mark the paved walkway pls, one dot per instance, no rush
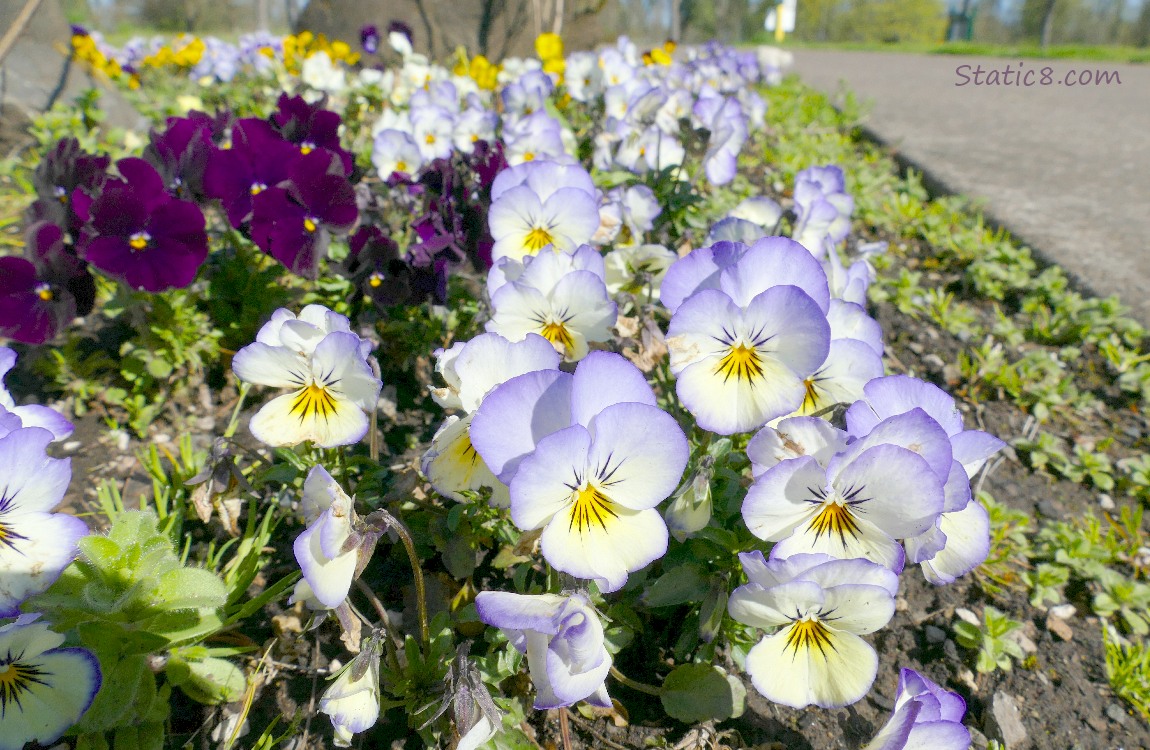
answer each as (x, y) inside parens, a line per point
(1064, 168)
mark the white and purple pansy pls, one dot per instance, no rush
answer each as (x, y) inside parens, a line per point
(541, 203)
(30, 415)
(471, 370)
(749, 328)
(860, 501)
(556, 298)
(44, 689)
(588, 457)
(817, 608)
(324, 365)
(926, 717)
(35, 543)
(563, 640)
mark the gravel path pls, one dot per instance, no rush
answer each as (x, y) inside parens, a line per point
(1066, 168)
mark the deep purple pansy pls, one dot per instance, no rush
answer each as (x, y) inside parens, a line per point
(63, 170)
(258, 159)
(138, 233)
(41, 294)
(293, 223)
(310, 127)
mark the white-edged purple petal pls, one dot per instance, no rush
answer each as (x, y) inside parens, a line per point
(516, 415)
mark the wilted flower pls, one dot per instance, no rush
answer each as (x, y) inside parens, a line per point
(563, 640)
(352, 699)
(476, 717)
(44, 689)
(335, 547)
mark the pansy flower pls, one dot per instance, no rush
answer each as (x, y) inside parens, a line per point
(858, 502)
(30, 415)
(63, 170)
(471, 370)
(588, 457)
(41, 294)
(293, 224)
(180, 154)
(926, 717)
(35, 544)
(310, 127)
(137, 233)
(560, 296)
(258, 159)
(369, 38)
(563, 640)
(743, 344)
(538, 204)
(44, 689)
(324, 366)
(817, 609)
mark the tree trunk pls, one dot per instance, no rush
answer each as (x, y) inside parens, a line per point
(1048, 23)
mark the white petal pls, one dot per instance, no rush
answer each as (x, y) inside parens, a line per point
(838, 674)
(623, 542)
(44, 711)
(292, 418)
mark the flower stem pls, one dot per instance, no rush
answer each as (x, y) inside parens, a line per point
(417, 574)
(234, 421)
(642, 687)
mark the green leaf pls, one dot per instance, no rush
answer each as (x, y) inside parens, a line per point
(207, 680)
(190, 588)
(700, 692)
(680, 585)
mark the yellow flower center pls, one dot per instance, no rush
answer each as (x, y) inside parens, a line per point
(835, 519)
(401, 166)
(429, 139)
(306, 148)
(529, 156)
(809, 634)
(15, 680)
(590, 507)
(741, 363)
(139, 240)
(810, 397)
(474, 137)
(311, 401)
(257, 188)
(537, 239)
(44, 292)
(309, 225)
(557, 333)
(375, 280)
